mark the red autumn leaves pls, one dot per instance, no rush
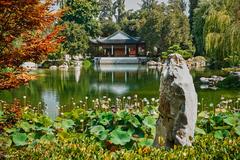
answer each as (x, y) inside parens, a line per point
(27, 31)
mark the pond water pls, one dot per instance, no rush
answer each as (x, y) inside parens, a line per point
(58, 88)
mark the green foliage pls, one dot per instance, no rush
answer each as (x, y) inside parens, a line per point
(148, 4)
(108, 28)
(177, 49)
(92, 133)
(84, 13)
(233, 60)
(19, 138)
(120, 137)
(76, 146)
(216, 31)
(106, 10)
(164, 26)
(86, 64)
(119, 10)
(230, 82)
(77, 40)
(220, 125)
(7, 70)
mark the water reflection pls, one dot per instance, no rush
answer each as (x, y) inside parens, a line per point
(77, 74)
(51, 102)
(62, 88)
(119, 68)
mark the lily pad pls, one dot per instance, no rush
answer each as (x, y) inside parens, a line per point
(199, 131)
(145, 142)
(25, 126)
(218, 134)
(105, 118)
(48, 137)
(120, 137)
(99, 131)
(237, 130)
(134, 121)
(149, 122)
(67, 123)
(230, 121)
(19, 139)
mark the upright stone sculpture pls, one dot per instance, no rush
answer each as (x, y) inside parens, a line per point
(178, 104)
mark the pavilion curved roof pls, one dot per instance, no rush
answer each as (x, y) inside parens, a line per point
(118, 37)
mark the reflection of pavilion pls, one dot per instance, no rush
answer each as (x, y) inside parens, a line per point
(117, 89)
(119, 71)
(117, 79)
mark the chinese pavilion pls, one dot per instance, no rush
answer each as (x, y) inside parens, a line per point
(119, 44)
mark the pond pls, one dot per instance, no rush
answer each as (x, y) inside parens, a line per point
(61, 88)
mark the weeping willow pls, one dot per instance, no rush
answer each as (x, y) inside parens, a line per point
(221, 30)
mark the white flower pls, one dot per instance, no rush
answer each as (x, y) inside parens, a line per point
(24, 97)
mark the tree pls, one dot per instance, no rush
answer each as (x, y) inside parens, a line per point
(177, 25)
(153, 29)
(106, 11)
(108, 28)
(216, 28)
(76, 39)
(192, 6)
(119, 10)
(27, 31)
(179, 4)
(222, 33)
(165, 26)
(197, 26)
(148, 4)
(131, 24)
(85, 13)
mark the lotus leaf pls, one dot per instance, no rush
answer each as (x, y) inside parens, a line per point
(120, 137)
(19, 138)
(149, 121)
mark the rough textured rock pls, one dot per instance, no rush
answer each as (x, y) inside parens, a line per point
(178, 104)
(196, 62)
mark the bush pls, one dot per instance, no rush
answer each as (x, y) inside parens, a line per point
(230, 81)
(86, 64)
(104, 133)
(177, 49)
(76, 146)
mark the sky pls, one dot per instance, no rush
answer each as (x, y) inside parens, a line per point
(135, 4)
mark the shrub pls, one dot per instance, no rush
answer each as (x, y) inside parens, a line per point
(177, 49)
(79, 147)
(231, 81)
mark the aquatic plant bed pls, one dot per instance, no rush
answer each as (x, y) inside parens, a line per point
(107, 133)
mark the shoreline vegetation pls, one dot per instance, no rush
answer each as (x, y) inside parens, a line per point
(127, 129)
